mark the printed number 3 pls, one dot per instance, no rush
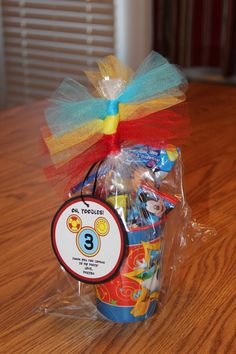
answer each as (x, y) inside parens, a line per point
(89, 242)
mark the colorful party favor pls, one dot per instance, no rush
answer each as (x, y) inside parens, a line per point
(116, 160)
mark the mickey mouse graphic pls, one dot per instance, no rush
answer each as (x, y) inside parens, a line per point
(152, 205)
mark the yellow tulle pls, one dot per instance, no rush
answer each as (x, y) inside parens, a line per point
(139, 110)
(57, 144)
(110, 67)
(59, 159)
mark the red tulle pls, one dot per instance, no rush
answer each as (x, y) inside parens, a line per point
(170, 126)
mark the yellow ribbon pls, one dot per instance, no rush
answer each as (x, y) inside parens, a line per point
(110, 124)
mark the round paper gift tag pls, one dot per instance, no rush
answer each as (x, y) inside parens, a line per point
(88, 238)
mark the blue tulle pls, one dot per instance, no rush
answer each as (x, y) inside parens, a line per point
(155, 76)
(65, 116)
(72, 105)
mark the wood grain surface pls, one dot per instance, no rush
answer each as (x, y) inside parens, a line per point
(199, 316)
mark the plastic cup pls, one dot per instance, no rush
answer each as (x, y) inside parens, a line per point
(132, 294)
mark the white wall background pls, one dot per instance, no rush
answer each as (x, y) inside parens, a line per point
(133, 28)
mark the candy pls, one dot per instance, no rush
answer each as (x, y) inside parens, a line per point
(159, 161)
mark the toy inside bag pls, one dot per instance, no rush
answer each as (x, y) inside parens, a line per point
(123, 148)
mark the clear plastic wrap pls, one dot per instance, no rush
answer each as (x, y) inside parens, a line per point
(142, 181)
(145, 186)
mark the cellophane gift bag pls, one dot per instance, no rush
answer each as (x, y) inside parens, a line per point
(123, 147)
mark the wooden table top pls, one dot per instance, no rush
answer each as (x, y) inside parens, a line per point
(199, 316)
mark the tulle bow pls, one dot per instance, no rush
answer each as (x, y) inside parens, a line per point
(133, 108)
